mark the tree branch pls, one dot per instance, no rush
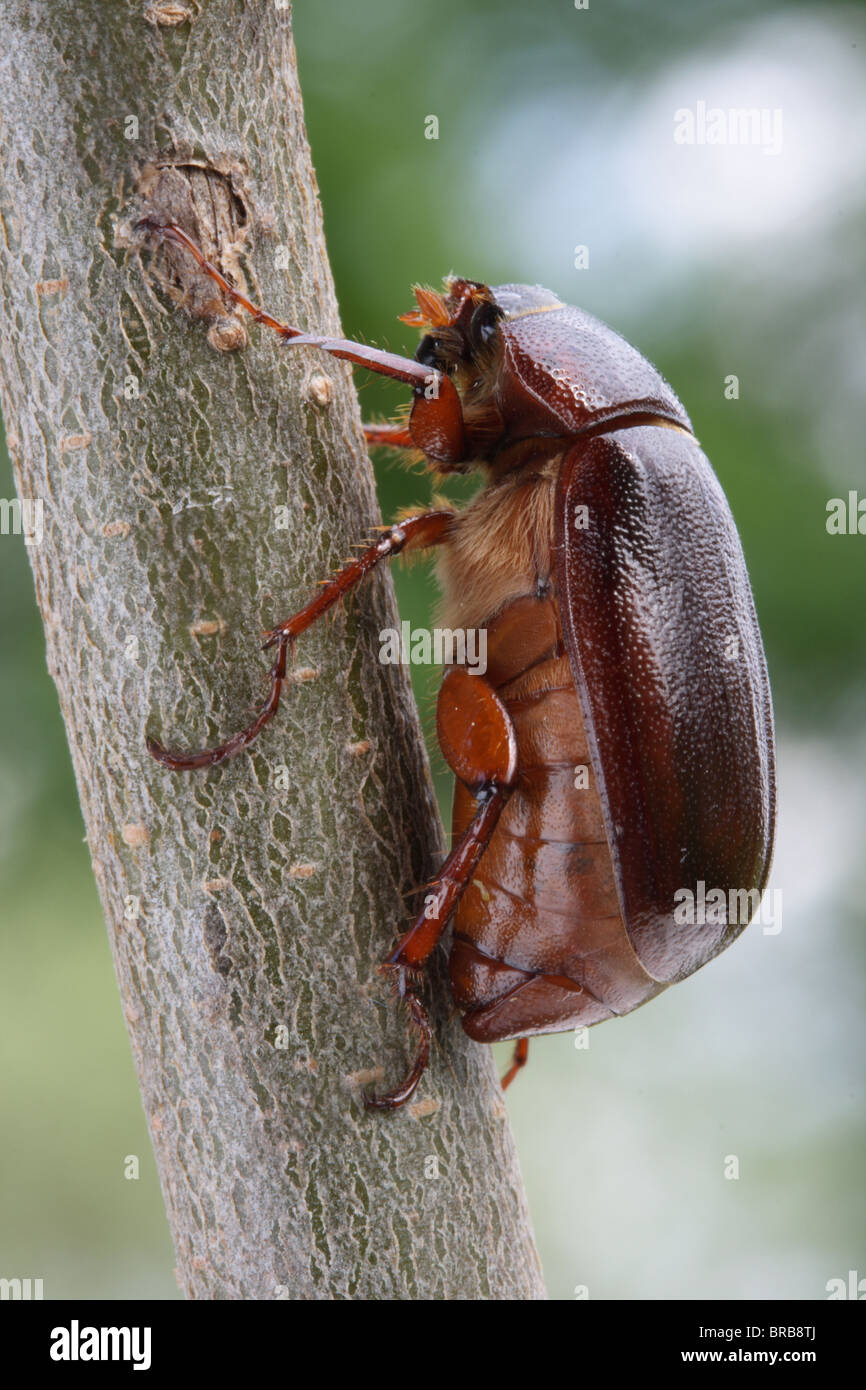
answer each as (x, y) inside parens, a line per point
(246, 905)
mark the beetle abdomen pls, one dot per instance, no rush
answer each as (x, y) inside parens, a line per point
(539, 942)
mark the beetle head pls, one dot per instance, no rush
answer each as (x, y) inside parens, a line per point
(462, 342)
(461, 324)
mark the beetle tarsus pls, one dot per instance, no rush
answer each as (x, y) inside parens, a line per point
(392, 1100)
(210, 757)
(170, 231)
(518, 1061)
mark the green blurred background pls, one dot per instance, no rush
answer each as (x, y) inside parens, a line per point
(556, 130)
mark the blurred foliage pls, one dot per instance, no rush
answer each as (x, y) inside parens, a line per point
(400, 209)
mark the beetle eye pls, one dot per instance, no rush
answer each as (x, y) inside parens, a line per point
(482, 329)
(428, 353)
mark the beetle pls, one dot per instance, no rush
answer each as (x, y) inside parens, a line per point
(617, 755)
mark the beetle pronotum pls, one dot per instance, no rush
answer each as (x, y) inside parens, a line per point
(603, 562)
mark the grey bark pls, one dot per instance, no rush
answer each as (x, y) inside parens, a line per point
(246, 908)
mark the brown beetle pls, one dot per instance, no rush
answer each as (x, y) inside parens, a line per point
(618, 752)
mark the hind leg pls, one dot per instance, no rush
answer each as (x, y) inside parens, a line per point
(477, 737)
(518, 1061)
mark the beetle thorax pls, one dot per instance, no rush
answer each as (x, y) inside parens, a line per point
(500, 546)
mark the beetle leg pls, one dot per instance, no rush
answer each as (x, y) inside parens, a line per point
(390, 364)
(389, 436)
(427, 529)
(419, 941)
(520, 1058)
(445, 891)
(207, 757)
(477, 736)
(437, 415)
(419, 1019)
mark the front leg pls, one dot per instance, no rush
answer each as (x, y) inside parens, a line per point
(436, 427)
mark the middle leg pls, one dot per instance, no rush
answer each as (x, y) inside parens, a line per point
(419, 532)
